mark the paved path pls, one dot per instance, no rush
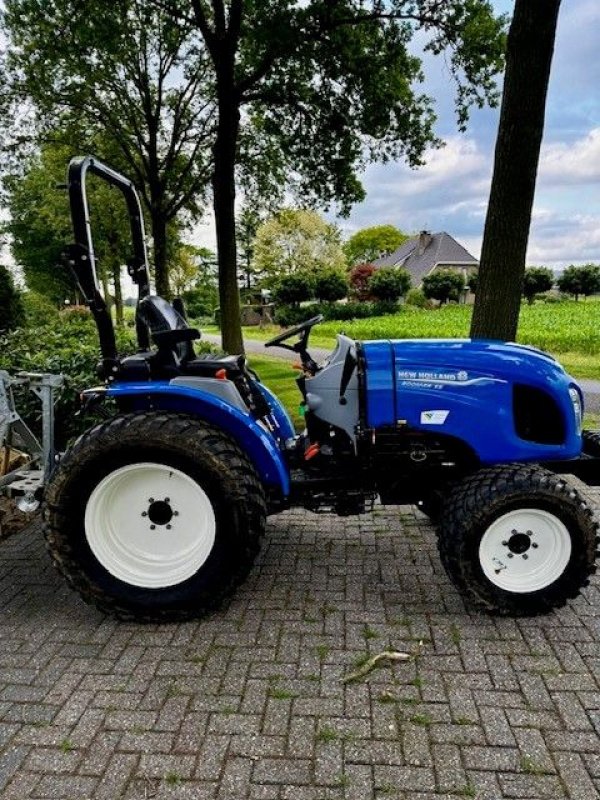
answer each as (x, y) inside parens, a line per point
(250, 704)
(591, 388)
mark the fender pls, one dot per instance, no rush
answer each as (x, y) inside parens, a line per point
(258, 444)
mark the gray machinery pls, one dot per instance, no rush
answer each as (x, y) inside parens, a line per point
(18, 444)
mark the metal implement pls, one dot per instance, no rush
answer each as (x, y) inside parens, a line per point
(35, 459)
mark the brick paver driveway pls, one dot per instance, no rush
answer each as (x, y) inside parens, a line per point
(250, 703)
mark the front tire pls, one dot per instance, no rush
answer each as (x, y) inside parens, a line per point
(154, 516)
(517, 540)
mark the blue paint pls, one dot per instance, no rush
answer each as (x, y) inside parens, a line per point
(261, 447)
(473, 381)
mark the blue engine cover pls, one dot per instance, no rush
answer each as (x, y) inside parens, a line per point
(464, 389)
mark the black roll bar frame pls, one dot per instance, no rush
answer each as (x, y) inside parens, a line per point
(81, 259)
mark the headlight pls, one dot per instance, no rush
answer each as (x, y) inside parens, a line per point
(576, 400)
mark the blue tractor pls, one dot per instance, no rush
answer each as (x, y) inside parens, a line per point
(157, 512)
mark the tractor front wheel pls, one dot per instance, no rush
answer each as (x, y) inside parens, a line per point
(154, 516)
(517, 540)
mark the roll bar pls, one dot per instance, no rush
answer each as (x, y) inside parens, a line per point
(80, 256)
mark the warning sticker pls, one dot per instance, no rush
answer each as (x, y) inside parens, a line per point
(437, 417)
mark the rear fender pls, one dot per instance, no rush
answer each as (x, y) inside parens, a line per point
(256, 442)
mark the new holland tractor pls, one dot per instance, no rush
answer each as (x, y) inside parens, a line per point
(157, 513)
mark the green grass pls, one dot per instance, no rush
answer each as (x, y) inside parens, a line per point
(569, 330)
(279, 376)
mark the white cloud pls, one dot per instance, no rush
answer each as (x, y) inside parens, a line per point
(571, 162)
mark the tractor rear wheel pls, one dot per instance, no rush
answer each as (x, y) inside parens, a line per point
(154, 516)
(591, 443)
(517, 540)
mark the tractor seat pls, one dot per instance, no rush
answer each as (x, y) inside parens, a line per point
(174, 356)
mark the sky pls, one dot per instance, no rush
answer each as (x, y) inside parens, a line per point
(451, 191)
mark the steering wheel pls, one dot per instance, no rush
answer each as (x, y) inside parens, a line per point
(304, 327)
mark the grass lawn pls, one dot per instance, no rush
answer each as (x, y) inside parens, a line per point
(280, 377)
(569, 330)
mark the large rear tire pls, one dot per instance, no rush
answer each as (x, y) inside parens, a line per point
(154, 516)
(517, 540)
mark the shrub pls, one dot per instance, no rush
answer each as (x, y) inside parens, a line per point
(330, 285)
(383, 307)
(360, 277)
(287, 316)
(11, 306)
(443, 285)
(416, 297)
(536, 281)
(199, 302)
(389, 283)
(39, 310)
(294, 289)
(473, 281)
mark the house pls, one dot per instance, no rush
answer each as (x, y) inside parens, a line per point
(424, 253)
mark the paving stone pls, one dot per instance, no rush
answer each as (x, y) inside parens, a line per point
(250, 705)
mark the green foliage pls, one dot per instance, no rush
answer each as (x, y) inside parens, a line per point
(69, 348)
(38, 310)
(368, 244)
(360, 281)
(129, 82)
(330, 285)
(390, 283)
(583, 280)
(473, 281)
(536, 281)
(296, 240)
(294, 288)
(416, 297)
(443, 285)
(11, 305)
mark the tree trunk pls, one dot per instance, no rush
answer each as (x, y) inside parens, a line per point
(116, 276)
(105, 287)
(159, 239)
(529, 54)
(224, 206)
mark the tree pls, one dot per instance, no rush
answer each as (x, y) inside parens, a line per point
(535, 281)
(11, 307)
(583, 280)
(294, 288)
(127, 69)
(371, 243)
(40, 227)
(390, 283)
(528, 60)
(306, 93)
(443, 285)
(330, 285)
(360, 281)
(296, 240)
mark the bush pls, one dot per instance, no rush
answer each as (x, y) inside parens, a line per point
(288, 316)
(199, 302)
(11, 306)
(70, 348)
(294, 289)
(473, 281)
(389, 283)
(537, 280)
(416, 297)
(38, 310)
(443, 285)
(360, 277)
(330, 285)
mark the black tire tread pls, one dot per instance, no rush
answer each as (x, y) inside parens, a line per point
(474, 498)
(198, 438)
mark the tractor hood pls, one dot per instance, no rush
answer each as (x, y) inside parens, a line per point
(494, 396)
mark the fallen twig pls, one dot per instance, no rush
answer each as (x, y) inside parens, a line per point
(368, 666)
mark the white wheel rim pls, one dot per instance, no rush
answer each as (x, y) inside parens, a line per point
(150, 525)
(525, 550)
